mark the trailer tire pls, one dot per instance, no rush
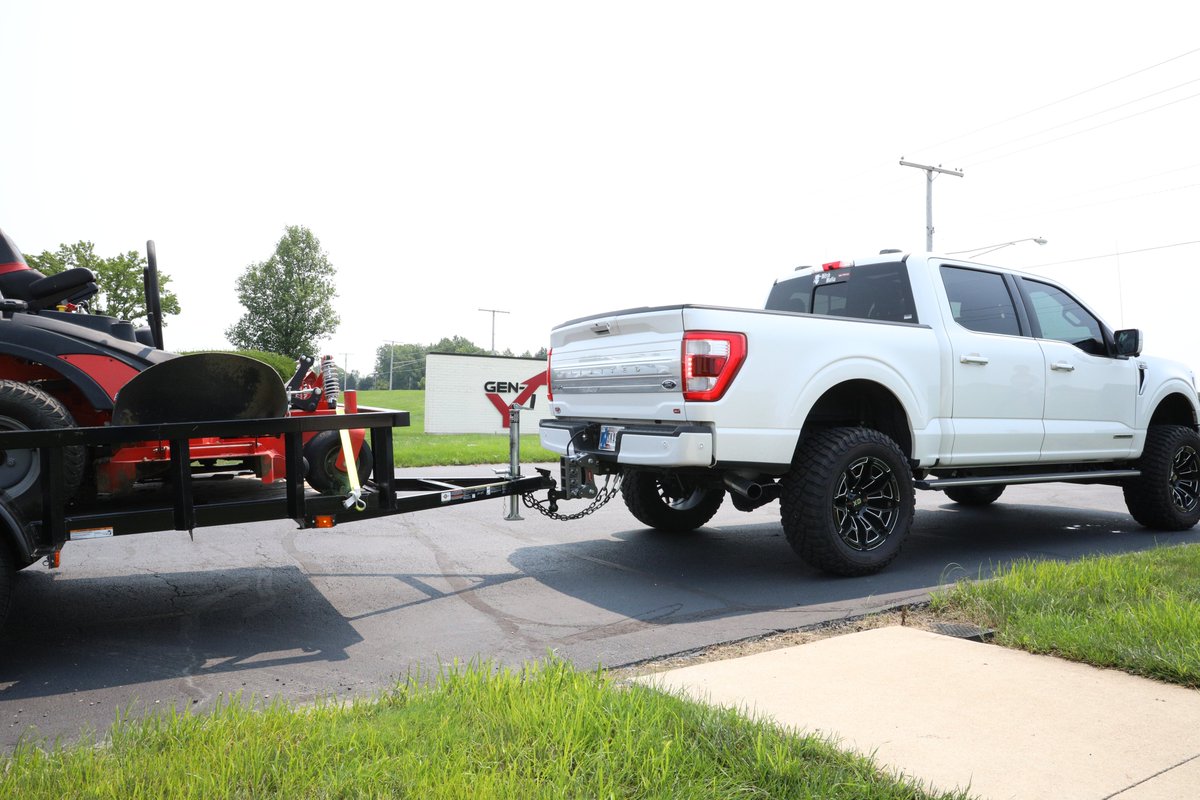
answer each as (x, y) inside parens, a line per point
(669, 502)
(975, 495)
(322, 452)
(8, 575)
(1166, 496)
(25, 407)
(847, 503)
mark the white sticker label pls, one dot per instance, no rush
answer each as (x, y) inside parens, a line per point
(91, 533)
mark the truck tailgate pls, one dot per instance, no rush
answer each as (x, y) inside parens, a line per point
(619, 366)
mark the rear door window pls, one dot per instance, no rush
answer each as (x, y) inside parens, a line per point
(980, 301)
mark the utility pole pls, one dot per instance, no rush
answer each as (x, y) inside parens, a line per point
(929, 195)
(346, 367)
(493, 312)
(391, 361)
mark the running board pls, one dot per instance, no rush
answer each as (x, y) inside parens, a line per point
(947, 483)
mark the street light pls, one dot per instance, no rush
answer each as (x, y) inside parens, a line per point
(987, 248)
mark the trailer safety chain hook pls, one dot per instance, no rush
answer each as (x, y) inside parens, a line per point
(610, 489)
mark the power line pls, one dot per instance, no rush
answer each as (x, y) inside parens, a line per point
(1085, 130)
(1112, 255)
(1081, 119)
(1061, 100)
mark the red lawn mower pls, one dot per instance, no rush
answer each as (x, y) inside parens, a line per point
(61, 366)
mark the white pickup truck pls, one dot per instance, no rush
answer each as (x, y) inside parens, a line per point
(859, 382)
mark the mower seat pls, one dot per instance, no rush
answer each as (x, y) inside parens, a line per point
(70, 286)
(39, 291)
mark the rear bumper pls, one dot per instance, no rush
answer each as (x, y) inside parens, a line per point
(637, 444)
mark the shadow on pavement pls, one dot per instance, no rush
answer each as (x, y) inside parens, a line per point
(729, 570)
(73, 635)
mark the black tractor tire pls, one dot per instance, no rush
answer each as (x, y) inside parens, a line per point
(8, 575)
(847, 503)
(25, 407)
(669, 502)
(321, 453)
(975, 495)
(1166, 496)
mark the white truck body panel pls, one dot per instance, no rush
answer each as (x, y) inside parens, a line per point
(970, 397)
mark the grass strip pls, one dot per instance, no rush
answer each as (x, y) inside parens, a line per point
(1138, 612)
(415, 448)
(544, 731)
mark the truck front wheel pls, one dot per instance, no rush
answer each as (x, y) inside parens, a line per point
(669, 502)
(847, 503)
(1166, 496)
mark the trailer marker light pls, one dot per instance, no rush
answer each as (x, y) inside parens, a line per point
(324, 521)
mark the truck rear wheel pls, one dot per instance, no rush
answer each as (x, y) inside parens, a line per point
(847, 503)
(669, 502)
(322, 453)
(975, 495)
(1167, 494)
(24, 407)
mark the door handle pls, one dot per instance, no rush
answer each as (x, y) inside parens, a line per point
(973, 358)
(1062, 366)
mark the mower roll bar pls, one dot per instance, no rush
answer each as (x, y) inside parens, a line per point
(153, 298)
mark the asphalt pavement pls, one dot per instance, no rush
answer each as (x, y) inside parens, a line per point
(143, 623)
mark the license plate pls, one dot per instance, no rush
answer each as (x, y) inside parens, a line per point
(608, 437)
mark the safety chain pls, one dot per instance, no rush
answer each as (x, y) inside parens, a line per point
(607, 492)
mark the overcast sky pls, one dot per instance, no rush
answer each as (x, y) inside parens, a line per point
(557, 159)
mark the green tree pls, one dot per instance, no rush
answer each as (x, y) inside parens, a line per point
(122, 293)
(407, 361)
(288, 298)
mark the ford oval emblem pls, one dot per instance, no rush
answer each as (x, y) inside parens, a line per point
(669, 384)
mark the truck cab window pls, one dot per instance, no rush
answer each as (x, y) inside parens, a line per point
(1061, 317)
(979, 301)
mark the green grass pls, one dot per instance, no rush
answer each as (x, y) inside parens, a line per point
(1138, 612)
(547, 731)
(415, 448)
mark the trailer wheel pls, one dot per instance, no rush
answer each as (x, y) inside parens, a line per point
(321, 453)
(1167, 494)
(670, 502)
(25, 407)
(847, 503)
(975, 495)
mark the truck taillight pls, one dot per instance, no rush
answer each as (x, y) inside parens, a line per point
(549, 385)
(710, 360)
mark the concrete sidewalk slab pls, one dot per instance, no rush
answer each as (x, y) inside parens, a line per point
(958, 714)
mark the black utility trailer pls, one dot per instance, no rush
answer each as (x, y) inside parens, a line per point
(183, 502)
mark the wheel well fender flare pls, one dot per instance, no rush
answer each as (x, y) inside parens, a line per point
(845, 391)
(1175, 404)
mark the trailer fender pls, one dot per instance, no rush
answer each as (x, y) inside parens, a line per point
(14, 533)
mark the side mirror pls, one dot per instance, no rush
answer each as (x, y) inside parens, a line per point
(1128, 342)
